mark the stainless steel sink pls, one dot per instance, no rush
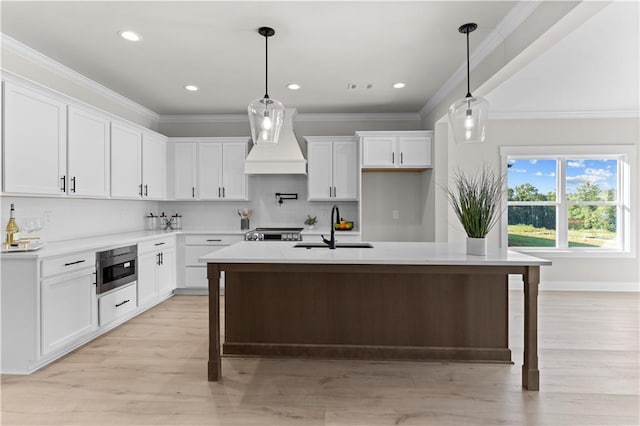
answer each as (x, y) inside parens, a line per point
(338, 245)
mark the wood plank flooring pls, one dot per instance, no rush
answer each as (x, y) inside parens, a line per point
(152, 371)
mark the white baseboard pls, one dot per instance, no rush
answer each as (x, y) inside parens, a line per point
(515, 283)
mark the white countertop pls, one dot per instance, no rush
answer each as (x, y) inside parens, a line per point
(382, 253)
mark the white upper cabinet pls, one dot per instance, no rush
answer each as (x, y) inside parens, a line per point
(333, 168)
(396, 150)
(210, 168)
(126, 161)
(88, 153)
(184, 160)
(154, 167)
(35, 142)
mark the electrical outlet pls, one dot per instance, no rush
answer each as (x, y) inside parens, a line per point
(396, 214)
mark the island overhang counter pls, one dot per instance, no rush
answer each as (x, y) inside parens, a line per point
(397, 300)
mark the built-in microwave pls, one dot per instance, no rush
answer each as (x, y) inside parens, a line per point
(116, 267)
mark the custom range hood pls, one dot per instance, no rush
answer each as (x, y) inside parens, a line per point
(284, 157)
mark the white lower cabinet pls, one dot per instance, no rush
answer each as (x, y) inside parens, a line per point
(196, 246)
(117, 303)
(156, 269)
(69, 308)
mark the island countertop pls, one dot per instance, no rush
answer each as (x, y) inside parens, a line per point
(382, 253)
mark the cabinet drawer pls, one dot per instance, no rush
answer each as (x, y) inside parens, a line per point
(157, 244)
(193, 253)
(196, 276)
(68, 263)
(212, 240)
(116, 304)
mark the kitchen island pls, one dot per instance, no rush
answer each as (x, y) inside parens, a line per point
(408, 301)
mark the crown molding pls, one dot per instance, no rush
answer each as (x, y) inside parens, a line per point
(509, 24)
(243, 118)
(204, 118)
(551, 115)
(11, 45)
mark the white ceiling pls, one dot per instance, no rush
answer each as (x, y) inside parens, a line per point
(324, 46)
(594, 70)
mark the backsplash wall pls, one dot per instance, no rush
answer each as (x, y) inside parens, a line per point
(70, 218)
(221, 215)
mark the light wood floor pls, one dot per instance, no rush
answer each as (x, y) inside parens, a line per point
(152, 371)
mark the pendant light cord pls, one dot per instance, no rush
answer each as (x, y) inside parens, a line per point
(468, 78)
(266, 67)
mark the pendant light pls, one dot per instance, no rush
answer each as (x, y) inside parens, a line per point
(266, 115)
(468, 116)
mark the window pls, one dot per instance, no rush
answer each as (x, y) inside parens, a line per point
(570, 199)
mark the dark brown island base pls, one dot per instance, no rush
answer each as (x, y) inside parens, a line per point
(435, 304)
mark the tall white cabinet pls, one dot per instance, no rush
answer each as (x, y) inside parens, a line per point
(210, 168)
(333, 168)
(35, 142)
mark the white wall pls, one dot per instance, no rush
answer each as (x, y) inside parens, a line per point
(76, 218)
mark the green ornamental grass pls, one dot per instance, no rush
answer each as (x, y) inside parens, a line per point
(476, 200)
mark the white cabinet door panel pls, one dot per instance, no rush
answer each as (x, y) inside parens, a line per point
(345, 170)
(414, 151)
(68, 309)
(378, 151)
(147, 282)
(210, 171)
(35, 141)
(184, 163)
(126, 161)
(88, 153)
(233, 178)
(319, 179)
(167, 271)
(154, 157)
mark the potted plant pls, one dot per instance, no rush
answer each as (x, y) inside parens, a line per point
(476, 202)
(311, 221)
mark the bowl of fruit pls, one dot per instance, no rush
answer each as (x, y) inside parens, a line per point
(344, 225)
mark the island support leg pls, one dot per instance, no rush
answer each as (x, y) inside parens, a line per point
(530, 372)
(215, 363)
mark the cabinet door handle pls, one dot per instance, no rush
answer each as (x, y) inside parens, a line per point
(159, 244)
(122, 303)
(329, 192)
(73, 184)
(193, 192)
(162, 258)
(64, 183)
(74, 263)
(401, 158)
(393, 157)
(214, 240)
(334, 192)
(140, 189)
(146, 190)
(223, 196)
(158, 261)
(219, 192)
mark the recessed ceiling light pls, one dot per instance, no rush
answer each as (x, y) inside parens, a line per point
(398, 85)
(192, 87)
(293, 86)
(130, 35)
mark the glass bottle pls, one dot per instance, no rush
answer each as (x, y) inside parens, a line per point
(12, 227)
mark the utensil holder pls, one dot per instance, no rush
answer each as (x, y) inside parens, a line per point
(244, 224)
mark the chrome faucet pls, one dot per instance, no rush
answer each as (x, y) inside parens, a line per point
(332, 242)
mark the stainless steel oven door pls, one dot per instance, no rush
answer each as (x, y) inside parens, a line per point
(116, 268)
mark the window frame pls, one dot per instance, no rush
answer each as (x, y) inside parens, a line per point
(626, 232)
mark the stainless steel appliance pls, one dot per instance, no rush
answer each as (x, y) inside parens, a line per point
(116, 268)
(274, 234)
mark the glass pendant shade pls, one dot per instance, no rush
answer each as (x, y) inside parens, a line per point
(266, 117)
(468, 119)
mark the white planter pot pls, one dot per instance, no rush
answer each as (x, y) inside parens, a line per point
(477, 246)
(311, 227)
